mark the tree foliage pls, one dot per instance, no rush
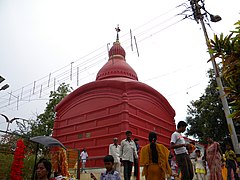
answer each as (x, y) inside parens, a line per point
(228, 49)
(206, 116)
(44, 123)
(7, 149)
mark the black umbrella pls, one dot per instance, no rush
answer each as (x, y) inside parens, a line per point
(47, 141)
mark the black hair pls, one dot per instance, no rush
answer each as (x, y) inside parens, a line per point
(108, 158)
(193, 143)
(56, 174)
(197, 150)
(228, 143)
(181, 124)
(152, 139)
(136, 139)
(128, 132)
(47, 164)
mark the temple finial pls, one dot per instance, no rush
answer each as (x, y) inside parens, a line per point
(118, 30)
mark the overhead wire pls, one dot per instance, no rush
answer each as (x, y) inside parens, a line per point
(38, 86)
(156, 32)
(95, 57)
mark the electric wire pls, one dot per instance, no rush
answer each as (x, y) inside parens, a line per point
(66, 72)
(37, 86)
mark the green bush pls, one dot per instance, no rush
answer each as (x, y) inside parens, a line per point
(6, 160)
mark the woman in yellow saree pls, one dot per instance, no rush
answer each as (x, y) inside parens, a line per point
(154, 159)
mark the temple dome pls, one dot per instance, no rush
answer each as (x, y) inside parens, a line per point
(116, 67)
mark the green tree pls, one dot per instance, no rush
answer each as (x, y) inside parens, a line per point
(44, 123)
(228, 49)
(7, 148)
(206, 116)
(42, 126)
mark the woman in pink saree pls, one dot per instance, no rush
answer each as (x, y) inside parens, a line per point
(214, 159)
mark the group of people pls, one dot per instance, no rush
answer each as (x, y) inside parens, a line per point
(211, 160)
(154, 158)
(125, 154)
(192, 163)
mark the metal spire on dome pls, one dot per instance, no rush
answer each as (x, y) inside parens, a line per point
(118, 30)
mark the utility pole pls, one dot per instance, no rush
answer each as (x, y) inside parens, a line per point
(199, 17)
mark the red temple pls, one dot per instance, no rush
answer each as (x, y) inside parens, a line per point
(95, 113)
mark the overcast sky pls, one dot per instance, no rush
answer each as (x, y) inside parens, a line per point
(41, 40)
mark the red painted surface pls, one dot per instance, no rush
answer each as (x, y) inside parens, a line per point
(96, 112)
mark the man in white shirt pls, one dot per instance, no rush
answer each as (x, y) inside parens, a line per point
(84, 157)
(114, 151)
(182, 156)
(128, 152)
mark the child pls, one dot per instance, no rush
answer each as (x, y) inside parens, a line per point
(231, 162)
(111, 173)
(200, 166)
(224, 170)
(176, 173)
